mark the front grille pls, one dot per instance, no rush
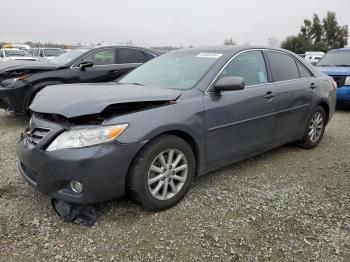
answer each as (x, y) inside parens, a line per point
(36, 135)
(340, 80)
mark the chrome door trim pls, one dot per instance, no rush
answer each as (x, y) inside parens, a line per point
(255, 118)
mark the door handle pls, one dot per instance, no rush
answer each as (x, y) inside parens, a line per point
(269, 95)
(313, 86)
(113, 72)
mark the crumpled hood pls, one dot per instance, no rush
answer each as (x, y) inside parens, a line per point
(86, 99)
(23, 64)
(335, 70)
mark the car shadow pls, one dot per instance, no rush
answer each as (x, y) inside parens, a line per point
(126, 209)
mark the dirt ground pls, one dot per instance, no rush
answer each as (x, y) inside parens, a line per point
(286, 205)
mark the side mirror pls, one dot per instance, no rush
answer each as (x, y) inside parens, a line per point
(85, 64)
(229, 83)
(314, 63)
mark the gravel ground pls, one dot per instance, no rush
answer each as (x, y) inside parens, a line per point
(286, 205)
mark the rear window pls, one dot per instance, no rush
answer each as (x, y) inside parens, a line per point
(283, 66)
(129, 55)
(304, 73)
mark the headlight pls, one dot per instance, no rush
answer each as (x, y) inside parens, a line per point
(88, 136)
(347, 81)
(11, 81)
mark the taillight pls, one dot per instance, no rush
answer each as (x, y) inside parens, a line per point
(334, 85)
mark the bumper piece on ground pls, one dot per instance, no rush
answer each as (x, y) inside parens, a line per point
(79, 214)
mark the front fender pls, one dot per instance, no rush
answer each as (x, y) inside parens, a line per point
(186, 115)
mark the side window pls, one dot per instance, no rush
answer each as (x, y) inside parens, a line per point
(1, 53)
(304, 73)
(41, 53)
(283, 66)
(248, 65)
(129, 55)
(101, 57)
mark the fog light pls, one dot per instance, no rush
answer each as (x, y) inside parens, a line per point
(76, 186)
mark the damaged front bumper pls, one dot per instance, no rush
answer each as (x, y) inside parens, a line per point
(101, 169)
(12, 97)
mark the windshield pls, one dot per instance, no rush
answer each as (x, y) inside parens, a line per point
(53, 52)
(68, 57)
(339, 58)
(14, 52)
(175, 70)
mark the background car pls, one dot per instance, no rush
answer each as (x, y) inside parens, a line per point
(20, 82)
(313, 57)
(7, 54)
(336, 63)
(181, 115)
(45, 54)
(17, 46)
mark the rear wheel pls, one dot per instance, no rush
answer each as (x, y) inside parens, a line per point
(314, 128)
(162, 173)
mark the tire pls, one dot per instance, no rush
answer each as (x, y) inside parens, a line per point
(317, 121)
(141, 173)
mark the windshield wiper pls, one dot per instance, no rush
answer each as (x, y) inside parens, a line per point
(325, 65)
(343, 65)
(136, 84)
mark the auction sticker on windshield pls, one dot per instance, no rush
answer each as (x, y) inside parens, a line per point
(209, 55)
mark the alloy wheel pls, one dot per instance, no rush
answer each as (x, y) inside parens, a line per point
(316, 127)
(167, 174)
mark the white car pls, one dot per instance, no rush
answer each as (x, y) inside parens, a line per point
(313, 57)
(45, 54)
(7, 54)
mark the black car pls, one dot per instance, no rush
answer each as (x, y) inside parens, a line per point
(20, 81)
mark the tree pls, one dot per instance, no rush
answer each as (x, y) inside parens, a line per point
(297, 44)
(335, 36)
(229, 42)
(319, 36)
(272, 42)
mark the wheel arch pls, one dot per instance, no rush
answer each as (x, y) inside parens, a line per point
(181, 134)
(325, 106)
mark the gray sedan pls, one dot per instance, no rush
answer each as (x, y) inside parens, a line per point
(178, 116)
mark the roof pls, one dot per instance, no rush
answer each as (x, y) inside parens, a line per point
(228, 49)
(340, 49)
(153, 51)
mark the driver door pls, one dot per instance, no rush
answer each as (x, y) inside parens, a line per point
(241, 122)
(104, 67)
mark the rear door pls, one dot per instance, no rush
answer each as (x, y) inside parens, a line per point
(240, 123)
(130, 58)
(294, 86)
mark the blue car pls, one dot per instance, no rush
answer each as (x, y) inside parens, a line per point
(336, 63)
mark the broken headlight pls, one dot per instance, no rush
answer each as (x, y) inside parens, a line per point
(11, 81)
(87, 136)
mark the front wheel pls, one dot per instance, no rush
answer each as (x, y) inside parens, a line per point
(162, 173)
(314, 129)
